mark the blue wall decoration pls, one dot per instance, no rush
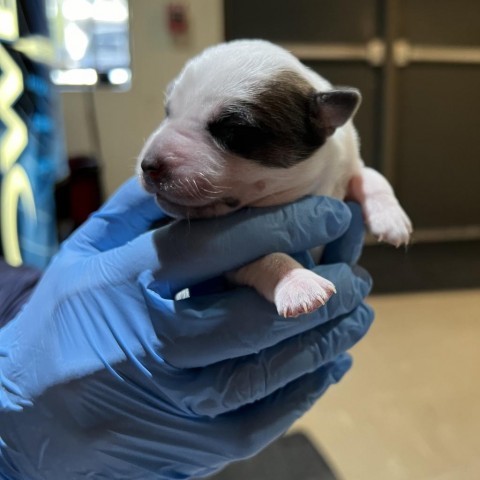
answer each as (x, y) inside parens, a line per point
(31, 140)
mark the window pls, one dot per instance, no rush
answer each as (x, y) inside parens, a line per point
(91, 39)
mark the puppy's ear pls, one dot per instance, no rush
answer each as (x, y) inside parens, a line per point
(331, 110)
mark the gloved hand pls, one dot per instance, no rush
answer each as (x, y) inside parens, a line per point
(104, 375)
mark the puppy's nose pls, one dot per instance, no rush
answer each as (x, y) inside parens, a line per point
(154, 168)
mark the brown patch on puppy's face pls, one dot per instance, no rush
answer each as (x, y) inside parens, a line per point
(274, 128)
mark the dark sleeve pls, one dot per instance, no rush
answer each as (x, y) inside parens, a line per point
(16, 286)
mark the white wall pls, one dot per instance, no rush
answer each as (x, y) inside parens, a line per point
(125, 119)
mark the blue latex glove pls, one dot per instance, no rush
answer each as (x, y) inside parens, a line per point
(103, 375)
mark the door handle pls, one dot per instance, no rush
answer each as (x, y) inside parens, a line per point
(373, 52)
(405, 53)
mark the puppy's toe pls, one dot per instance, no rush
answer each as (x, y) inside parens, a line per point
(302, 291)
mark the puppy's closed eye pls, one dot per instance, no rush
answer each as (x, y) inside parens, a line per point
(238, 133)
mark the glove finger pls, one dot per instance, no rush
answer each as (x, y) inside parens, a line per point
(254, 426)
(250, 379)
(126, 215)
(185, 253)
(348, 247)
(200, 331)
(205, 249)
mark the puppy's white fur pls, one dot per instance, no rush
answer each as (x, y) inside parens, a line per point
(192, 176)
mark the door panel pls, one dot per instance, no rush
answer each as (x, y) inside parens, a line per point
(437, 160)
(441, 22)
(438, 147)
(302, 20)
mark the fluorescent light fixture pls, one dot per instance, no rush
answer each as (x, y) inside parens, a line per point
(119, 76)
(77, 10)
(110, 11)
(75, 76)
(76, 42)
(91, 42)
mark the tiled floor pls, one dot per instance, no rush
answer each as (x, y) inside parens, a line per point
(410, 407)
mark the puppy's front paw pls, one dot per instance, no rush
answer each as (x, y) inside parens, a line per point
(301, 291)
(388, 221)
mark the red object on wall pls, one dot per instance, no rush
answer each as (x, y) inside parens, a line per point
(177, 15)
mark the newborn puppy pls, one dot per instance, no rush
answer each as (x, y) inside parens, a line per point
(247, 124)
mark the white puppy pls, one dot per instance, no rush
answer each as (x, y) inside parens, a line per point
(247, 124)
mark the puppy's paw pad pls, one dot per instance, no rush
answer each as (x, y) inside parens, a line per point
(389, 223)
(302, 291)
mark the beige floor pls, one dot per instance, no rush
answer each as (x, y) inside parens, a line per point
(410, 407)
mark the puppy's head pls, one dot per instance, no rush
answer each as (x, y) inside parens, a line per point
(243, 122)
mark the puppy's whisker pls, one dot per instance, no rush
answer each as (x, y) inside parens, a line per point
(195, 189)
(200, 189)
(212, 192)
(198, 192)
(209, 187)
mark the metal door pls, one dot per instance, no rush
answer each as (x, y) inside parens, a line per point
(436, 160)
